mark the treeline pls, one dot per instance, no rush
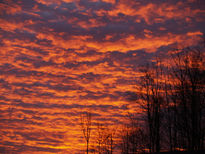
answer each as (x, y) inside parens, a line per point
(172, 98)
(171, 95)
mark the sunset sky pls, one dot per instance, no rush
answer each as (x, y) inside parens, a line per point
(60, 58)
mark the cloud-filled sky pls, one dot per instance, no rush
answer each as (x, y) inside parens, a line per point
(60, 58)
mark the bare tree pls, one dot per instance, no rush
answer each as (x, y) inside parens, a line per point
(173, 105)
(133, 139)
(101, 137)
(110, 140)
(86, 128)
(152, 101)
(189, 91)
(105, 139)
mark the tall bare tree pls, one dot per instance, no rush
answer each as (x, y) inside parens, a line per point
(189, 78)
(86, 128)
(152, 101)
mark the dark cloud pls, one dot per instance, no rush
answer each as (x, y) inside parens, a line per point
(60, 59)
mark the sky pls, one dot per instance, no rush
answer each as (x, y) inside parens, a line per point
(62, 58)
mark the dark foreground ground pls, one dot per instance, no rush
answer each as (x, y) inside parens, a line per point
(182, 152)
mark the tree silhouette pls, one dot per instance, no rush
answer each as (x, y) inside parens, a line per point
(188, 74)
(86, 128)
(133, 137)
(152, 100)
(173, 101)
(105, 139)
(101, 137)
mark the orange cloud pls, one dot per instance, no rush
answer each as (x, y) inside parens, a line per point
(9, 8)
(153, 12)
(55, 65)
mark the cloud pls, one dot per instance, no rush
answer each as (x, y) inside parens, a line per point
(61, 58)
